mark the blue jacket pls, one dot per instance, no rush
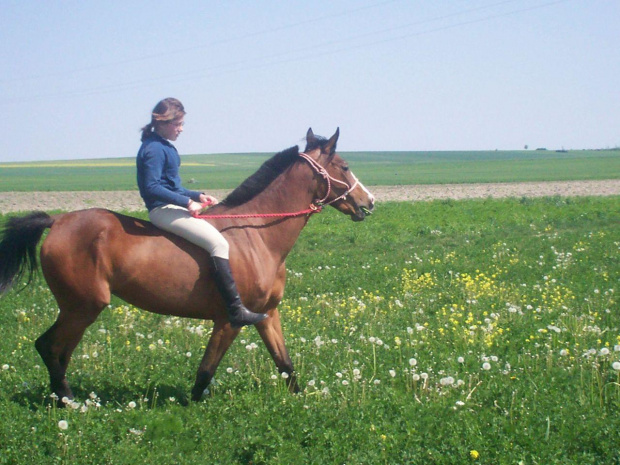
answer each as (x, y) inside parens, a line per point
(159, 182)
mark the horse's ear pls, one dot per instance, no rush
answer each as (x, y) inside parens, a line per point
(330, 147)
(310, 137)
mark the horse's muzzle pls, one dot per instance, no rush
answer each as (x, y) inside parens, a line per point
(362, 212)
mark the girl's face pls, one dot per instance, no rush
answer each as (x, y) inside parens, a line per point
(171, 129)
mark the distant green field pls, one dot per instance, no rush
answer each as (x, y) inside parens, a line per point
(226, 171)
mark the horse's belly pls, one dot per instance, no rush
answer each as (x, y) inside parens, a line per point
(197, 302)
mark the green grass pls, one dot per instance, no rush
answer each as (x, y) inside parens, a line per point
(436, 332)
(226, 171)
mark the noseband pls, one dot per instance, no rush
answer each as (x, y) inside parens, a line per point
(318, 204)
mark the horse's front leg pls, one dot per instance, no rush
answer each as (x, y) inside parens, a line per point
(222, 337)
(270, 331)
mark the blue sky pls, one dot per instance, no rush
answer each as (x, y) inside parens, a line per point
(78, 79)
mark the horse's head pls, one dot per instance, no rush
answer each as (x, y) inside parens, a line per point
(341, 188)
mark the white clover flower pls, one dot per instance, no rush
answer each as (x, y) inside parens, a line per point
(376, 382)
(63, 425)
(338, 375)
(131, 405)
(345, 382)
(392, 373)
(311, 383)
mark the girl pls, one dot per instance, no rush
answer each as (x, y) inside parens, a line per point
(170, 204)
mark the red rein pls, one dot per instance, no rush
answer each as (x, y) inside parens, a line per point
(308, 211)
(315, 207)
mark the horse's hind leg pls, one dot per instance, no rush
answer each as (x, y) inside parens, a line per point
(58, 343)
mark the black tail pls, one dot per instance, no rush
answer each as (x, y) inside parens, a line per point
(18, 247)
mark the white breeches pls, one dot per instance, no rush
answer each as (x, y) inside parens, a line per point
(177, 220)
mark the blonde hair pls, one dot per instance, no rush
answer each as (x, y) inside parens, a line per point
(166, 110)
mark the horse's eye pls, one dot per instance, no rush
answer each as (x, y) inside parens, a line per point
(345, 168)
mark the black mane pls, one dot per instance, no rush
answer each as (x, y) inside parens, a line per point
(316, 142)
(265, 175)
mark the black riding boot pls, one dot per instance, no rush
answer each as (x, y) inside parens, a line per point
(238, 315)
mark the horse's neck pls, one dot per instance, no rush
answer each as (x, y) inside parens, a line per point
(291, 192)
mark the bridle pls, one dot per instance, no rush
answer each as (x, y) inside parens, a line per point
(329, 180)
(315, 207)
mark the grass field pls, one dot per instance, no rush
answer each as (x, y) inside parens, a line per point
(438, 332)
(226, 171)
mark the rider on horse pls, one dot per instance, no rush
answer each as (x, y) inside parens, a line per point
(171, 206)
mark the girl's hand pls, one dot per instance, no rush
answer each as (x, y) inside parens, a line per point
(208, 200)
(194, 208)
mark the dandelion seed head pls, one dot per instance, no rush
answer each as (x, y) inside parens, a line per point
(63, 425)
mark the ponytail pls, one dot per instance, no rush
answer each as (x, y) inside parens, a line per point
(147, 131)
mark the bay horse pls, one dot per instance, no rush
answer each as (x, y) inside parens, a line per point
(89, 255)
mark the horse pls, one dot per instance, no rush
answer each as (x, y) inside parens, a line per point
(91, 254)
